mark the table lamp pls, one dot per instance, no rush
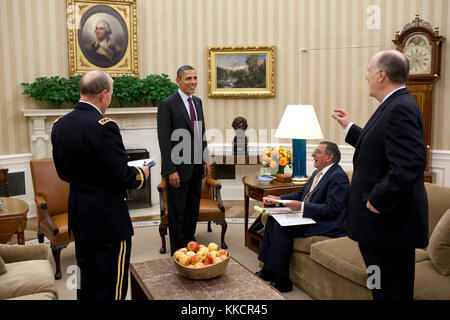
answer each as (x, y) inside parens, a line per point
(299, 122)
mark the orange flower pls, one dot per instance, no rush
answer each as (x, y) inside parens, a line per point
(283, 162)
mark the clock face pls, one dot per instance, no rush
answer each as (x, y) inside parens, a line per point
(418, 51)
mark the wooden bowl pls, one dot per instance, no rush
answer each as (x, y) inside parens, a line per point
(209, 272)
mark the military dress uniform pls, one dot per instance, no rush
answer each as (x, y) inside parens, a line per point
(89, 154)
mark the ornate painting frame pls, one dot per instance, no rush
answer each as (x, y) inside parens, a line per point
(102, 35)
(241, 72)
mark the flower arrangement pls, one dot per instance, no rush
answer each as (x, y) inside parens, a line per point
(277, 159)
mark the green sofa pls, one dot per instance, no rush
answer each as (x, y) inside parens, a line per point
(26, 273)
(328, 268)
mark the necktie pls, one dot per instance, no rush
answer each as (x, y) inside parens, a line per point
(191, 111)
(316, 178)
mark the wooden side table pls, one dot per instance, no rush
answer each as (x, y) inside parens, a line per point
(254, 190)
(13, 219)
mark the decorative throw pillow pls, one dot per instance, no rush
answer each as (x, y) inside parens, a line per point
(439, 247)
(2, 266)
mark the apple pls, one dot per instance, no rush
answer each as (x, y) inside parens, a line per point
(202, 254)
(201, 246)
(222, 252)
(184, 250)
(193, 246)
(210, 256)
(213, 247)
(190, 253)
(203, 250)
(196, 258)
(199, 265)
(217, 260)
(223, 257)
(177, 254)
(184, 260)
(206, 263)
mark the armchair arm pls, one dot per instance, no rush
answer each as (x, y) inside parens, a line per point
(213, 183)
(22, 253)
(161, 187)
(217, 196)
(43, 205)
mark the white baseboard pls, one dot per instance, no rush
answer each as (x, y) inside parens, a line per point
(231, 189)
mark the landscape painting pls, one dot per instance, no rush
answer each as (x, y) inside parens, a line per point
(242, 72)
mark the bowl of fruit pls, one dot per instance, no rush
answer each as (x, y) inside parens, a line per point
(200, 262)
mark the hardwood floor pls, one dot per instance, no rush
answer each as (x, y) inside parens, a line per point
(233, 209)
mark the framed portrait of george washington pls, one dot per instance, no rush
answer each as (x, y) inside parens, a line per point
(102, 35)
(241, 72)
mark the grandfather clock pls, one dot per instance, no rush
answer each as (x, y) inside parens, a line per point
(422, 45)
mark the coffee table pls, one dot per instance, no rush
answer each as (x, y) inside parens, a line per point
(159, 280)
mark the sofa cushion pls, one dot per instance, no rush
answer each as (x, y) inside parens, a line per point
(37, 296)
(26, 278)
(439, 246)
(2, 266)
(421, 255)
(341, 256)
(429, 284)
(304, 244)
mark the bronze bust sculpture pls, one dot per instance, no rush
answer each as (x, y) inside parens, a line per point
(240, 140)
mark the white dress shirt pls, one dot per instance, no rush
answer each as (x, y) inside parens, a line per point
(185, 98)
(324, 171)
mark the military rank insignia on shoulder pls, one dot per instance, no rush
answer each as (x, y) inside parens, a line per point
(104, 121)
(57, 120)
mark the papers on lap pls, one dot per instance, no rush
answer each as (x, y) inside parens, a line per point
(142, 162)
(285, 216)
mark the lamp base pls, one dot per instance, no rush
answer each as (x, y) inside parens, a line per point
(299, 180)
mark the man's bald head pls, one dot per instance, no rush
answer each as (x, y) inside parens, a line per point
(94, 82)
(395, 63)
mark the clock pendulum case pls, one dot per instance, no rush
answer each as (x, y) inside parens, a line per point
(422, 46)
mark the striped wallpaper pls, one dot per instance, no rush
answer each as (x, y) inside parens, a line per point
(322, 51)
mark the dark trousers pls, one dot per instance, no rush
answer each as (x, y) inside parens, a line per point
(277, 246)
(396, 268)
(103, 269)
(182, 205)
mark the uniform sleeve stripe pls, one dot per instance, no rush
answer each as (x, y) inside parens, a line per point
(142, 178)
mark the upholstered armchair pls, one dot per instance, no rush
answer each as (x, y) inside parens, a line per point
(51, 197)
(211, 209)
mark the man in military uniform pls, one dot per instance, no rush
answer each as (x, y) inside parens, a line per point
(89, 154)
(102, 51)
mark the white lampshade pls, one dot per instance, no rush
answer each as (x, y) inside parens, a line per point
(299, 122)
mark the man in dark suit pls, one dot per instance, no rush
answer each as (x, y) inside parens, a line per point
(181, 129)
(89, 154)
(388, 208)
(323, 198)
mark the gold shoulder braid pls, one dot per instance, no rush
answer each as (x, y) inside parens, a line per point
(57, 120)
(104, 121)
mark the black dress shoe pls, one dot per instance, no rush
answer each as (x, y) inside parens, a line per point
(265, 274)
(282, 284)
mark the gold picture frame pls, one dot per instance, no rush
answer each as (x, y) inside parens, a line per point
(230, 67)
(102, 35)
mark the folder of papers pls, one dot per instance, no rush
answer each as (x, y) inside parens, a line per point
(284, 216)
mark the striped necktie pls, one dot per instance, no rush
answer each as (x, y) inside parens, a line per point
(316, 178)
